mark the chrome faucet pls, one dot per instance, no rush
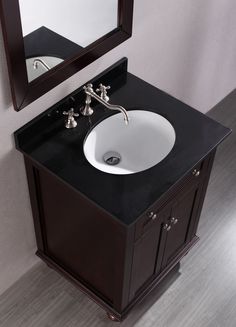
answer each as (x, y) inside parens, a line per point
(42, 63)
(103, 99)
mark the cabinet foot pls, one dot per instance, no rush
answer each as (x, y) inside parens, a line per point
(112, 317)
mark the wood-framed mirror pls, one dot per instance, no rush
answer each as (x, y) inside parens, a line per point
(41, 53)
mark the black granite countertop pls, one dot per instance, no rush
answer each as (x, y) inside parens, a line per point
(46, 141)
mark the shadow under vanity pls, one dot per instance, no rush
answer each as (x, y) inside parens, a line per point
(117, 236)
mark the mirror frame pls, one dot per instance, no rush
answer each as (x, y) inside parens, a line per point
(23, 92)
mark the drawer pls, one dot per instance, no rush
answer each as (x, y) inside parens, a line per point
(195, 175)
(153, 216)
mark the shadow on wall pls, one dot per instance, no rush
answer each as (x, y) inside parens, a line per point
(5, 92)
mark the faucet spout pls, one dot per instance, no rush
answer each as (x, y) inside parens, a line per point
(89, 91)
(38, 61)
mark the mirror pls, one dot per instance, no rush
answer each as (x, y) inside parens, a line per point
(50, 41)
(53, 36)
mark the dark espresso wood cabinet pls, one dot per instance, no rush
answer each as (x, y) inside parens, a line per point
(115, 264)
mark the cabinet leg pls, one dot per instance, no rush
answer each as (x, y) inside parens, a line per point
(112, 317)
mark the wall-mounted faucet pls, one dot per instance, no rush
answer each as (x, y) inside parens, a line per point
(103, 99)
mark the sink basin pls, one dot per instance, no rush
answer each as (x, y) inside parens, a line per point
(34, 73)
(116, 148)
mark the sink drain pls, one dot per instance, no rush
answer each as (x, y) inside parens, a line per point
(112, 158)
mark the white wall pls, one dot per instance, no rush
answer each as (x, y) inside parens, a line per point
(71, 18)
(186, 48)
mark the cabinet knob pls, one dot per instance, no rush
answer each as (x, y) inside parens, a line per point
(174, 220)
(154, 216)
(167, 227)
(196, 172)
(151, 214)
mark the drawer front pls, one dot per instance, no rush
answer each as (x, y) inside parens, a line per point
(150, 218)
(147, 220)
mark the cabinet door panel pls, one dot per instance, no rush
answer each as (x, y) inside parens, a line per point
(181, 215)
(77, 236)
(148, 251)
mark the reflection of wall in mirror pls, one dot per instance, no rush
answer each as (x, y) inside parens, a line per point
(81, 21)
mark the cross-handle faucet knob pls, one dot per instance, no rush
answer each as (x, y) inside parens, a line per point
(70, 121)
(88, 88)
(103, 89)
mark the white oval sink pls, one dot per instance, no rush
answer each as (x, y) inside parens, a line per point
(143, 143)
(34, 73)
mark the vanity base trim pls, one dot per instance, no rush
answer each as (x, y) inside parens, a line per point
(137, 299)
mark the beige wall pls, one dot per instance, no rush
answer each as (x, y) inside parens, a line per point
(184, 47)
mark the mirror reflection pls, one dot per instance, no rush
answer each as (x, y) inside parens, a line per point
(57, 30)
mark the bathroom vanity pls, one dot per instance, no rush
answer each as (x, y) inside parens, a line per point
(117, 236)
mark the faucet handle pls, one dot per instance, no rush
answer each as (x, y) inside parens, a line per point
(70, 113)
(103, 89)
(88, 87)
(70, 121)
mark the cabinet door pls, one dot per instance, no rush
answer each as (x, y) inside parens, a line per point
(148, 251)
(182, 216)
